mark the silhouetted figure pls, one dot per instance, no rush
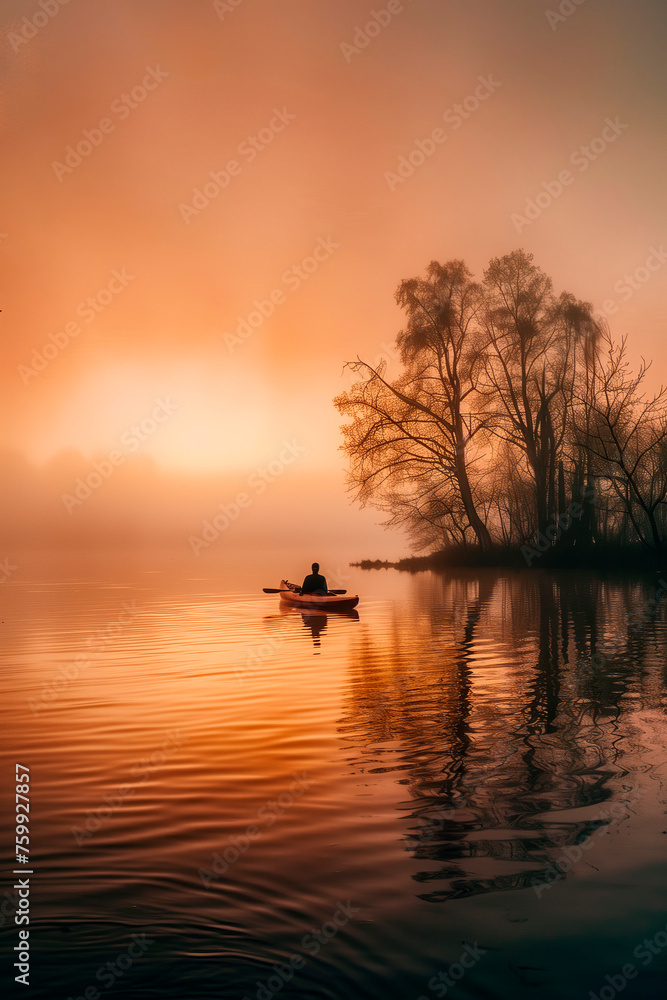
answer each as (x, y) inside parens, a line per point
(314, 583)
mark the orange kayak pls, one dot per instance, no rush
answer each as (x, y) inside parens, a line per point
(290, 594)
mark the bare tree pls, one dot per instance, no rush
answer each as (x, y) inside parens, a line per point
(510, 402)
(413, 440)
(625, 434)
(533, 345)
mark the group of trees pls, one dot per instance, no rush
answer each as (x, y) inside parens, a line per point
(515, 416)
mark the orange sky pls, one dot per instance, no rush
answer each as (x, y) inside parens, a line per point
(172, 283)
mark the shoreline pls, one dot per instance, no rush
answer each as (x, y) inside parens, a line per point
(597, 558)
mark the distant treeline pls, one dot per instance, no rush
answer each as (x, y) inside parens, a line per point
(514, 426)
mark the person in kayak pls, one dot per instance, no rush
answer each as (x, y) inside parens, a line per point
(314, 583)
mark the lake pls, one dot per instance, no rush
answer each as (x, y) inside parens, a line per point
(457, 791)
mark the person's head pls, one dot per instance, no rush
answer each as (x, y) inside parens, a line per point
(316, 567)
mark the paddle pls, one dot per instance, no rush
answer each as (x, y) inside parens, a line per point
(276, 590)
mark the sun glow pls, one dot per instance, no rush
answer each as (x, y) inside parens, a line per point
(186, 418)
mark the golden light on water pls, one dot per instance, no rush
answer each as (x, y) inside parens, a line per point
(210, 207)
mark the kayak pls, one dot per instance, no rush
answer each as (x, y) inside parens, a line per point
(290, 594)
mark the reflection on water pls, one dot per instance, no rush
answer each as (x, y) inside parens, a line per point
(317, 623)
(352, 799)
(508, 722)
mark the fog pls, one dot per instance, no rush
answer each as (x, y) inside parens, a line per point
(74, 503)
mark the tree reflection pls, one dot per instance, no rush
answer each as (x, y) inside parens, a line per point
(502, 706)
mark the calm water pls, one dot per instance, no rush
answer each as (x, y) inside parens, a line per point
(220, 787)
